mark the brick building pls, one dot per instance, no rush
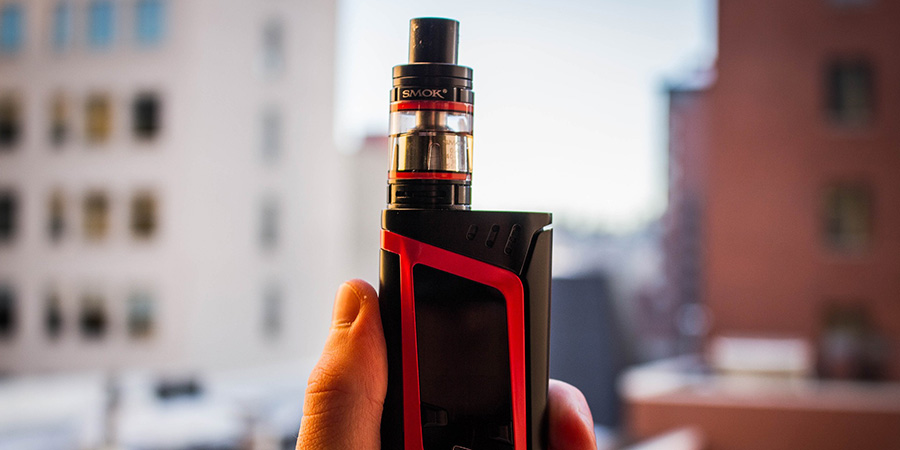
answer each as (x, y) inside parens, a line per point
(785, 173)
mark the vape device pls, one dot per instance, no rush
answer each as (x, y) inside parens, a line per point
(464, 295)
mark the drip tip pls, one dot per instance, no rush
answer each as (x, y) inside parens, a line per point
(433, 40)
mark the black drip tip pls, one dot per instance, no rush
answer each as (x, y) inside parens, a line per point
(432, 72)
(433, 40)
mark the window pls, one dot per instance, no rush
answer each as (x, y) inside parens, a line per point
(11, 28)
(271, 134)
(53, 316)
(10, 121)
(145, 116)
(140, 315)
(8, 215)
(99, 118)
(273, 47)
(62, 26)
(56, 225)
(143, 215)
(848, 216)
(96, 212)
(93, 317)
(850, 92)
(272, 311)
(59, 126)
(101, 22)
(150, 22)
(268, 230)
(7, 312)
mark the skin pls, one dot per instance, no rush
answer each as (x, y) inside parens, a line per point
(346, 389)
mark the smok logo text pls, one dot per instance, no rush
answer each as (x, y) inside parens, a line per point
(428, 93)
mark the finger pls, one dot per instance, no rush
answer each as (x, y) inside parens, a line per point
(571, 426)
(346, 389)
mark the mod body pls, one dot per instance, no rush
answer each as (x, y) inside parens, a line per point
(464, 295)
(465, 304)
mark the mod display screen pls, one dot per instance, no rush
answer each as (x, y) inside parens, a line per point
(463, 351)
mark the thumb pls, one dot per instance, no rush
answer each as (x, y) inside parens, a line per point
(346, 389)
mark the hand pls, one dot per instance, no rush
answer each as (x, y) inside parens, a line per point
(346, 389)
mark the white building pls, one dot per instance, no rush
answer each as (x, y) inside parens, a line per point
(367, 184)
(169, 193)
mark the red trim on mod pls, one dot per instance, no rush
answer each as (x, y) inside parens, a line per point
(459, 176)
(432, 105)
(412, 252)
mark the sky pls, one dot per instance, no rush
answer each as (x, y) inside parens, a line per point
(569, 95)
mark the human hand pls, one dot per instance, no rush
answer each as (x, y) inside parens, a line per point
(346, 389)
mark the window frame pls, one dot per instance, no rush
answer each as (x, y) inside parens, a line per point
(150, 35)
(96, 223)
(842, 76)
(100, 24)
(56, 216)
(143, 224)
(10, 323)
(10, 215)
(93, 312)
(98, 118)
(146, 102)
(12, 126)
(12, 41)
(62, 26)
(839, 232)
(141, 315)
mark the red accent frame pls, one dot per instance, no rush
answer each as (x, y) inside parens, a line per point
(412, 252)
(458, 176)
(432, 105)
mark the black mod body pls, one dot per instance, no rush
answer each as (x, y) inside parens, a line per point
(465, 301)
(464, 295)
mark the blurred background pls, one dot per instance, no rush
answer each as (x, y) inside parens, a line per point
(184, 184)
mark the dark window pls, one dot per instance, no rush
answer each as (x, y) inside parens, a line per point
(59, 125)
(140, 315)
(272, 311)
(101, 23)
(56, 225)
(273, 47)
(851, 92)
(143, 215)
(7, 312)
(96, 215)
(10, 122)
(145, 112)
(150, 21)
(53, 316)
(271, 134)
(8, 215)
(268, 230)
(12, 25)
(848, 216)
(93, 316)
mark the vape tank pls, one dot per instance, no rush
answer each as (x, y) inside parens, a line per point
(464, 295)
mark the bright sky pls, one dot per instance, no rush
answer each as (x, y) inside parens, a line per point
(569, 105)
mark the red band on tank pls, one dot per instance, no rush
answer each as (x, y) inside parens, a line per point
(458, 176)
(432, 105)
(412, 252)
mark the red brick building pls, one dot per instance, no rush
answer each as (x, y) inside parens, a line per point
(785, 172)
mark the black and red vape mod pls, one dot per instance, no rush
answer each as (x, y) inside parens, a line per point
(465, 295)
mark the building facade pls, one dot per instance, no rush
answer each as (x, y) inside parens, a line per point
(784, 173)
(167, 197)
